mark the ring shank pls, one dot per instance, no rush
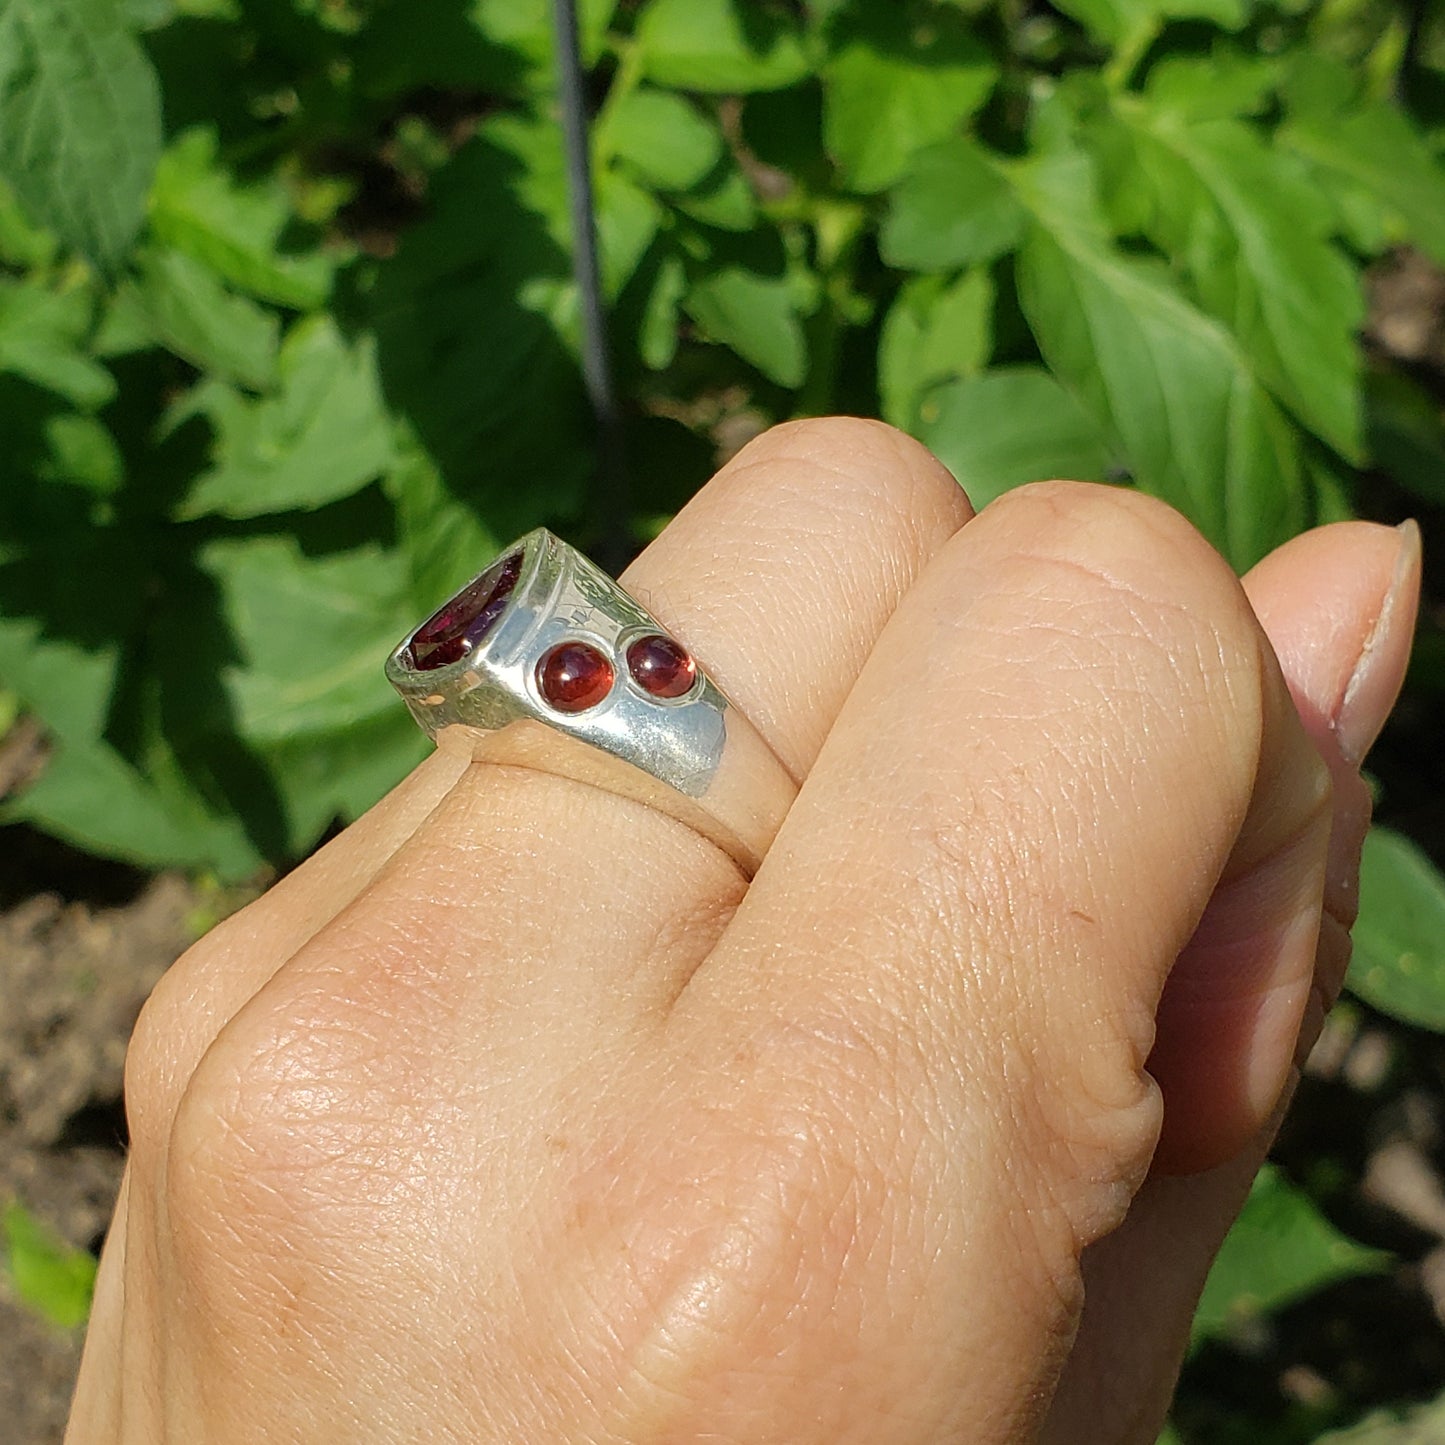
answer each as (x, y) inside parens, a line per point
(744, 804)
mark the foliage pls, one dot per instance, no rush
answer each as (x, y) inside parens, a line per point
(288, 339)
(1280, 1249)
(47, 1275)
(288, 333)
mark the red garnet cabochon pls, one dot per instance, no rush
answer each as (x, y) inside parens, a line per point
(574, 676)
(458, 626)
(660, 666)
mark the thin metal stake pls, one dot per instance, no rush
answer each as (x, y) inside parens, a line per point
(615, 543)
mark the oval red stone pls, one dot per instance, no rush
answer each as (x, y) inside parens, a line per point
(574, 676)
(660, 666)
(457, 627)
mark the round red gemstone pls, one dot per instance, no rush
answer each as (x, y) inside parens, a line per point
(457, 627)
(574, 676)
(660, 667)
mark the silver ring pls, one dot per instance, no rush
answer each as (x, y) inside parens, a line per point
(543, 661)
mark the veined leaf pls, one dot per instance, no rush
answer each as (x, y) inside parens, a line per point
(325, 434)
(1004, 428)
(1375, 146)
(42, 334)
(1254, 237)
(663, 137)
(900, 77)
(80, 121)
(309, 632)
(237, 230)
(1399, 959)
(1112, 21)
(952, 209)
(89, 795)
(181, 304)
(493, 46)
(1280, 1250)
(338, 775)
(724, 46)
(1224, 85)
(1193, 422)
(755, 315)
(474, 324)
(935, 331)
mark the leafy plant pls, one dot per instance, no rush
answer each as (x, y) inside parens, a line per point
(46, 1274)
(289, 336)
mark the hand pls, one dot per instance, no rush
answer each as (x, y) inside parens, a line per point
(517, 1115)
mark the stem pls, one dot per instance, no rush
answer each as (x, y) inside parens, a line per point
(1129, 52)
(610, 496)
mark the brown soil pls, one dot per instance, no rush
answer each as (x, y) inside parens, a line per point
(73, 976)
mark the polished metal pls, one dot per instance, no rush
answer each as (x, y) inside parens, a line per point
(715, 771)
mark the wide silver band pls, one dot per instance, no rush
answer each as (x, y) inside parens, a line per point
(695, 757)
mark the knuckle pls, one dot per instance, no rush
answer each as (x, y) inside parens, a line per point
(155, 1055)
(868, 460)
(284, 1143)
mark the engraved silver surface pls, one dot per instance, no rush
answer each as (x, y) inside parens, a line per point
(560, 596)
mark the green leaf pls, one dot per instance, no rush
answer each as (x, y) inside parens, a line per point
(90, 796)
(1280, 1250)
(82, 452)
(1253, 234)
(310, 633)
(935, 330)
(49, 1276)
(22, 243)
(664, 138)
(1193, 422)
(80, 121)
(627, 220)
(954, 208)
(444, 542)
(1376, 148)
(1399, 959)
(753, 314)
(720, 46)
(1115, 21)
(42, 337)
(241, 231)
(1010, 426)
(475, 326)
(325, 435)
(337, 776)
(183, 306)
(657, 341)
(1215, 87)
(724, 200)
(900, 77)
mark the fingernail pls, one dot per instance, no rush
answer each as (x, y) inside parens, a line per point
(1375, 682)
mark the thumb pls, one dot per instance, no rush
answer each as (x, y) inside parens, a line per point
(1338, 606)
(1070, 734)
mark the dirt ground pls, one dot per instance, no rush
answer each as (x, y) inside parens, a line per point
(74, 972)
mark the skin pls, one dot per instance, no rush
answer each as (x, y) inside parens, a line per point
(517, 1114)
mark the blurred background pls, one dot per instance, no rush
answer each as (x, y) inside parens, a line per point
(289, 346)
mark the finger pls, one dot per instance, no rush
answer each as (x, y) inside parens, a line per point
(778, 574)
(514, 949)
(1323, 598)
(1068, 732)
(1333, 602)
